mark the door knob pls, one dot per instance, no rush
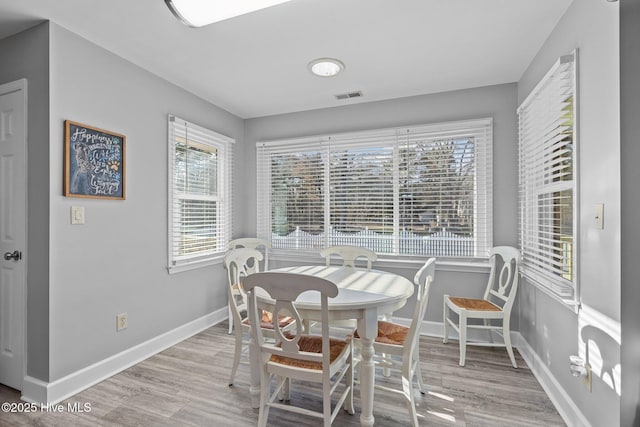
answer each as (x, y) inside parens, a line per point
(15, 255)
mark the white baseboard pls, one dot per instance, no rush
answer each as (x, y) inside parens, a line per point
(37, 391)
(567, 409)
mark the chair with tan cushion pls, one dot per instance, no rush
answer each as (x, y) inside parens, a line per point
(349, 255)
(238, 263)
(495, 305)
(254, 243)
(251, 243)
(313, 358)
(397, 346)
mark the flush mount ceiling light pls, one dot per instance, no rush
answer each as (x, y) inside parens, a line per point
(326, 67)
(197, 13)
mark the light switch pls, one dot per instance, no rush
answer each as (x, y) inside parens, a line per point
(599, 215)
(77, 215)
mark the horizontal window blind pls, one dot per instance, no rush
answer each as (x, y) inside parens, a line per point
(424, 190)
(547, 184)
(200, 217)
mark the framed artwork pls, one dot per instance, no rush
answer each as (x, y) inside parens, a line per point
(94, 162)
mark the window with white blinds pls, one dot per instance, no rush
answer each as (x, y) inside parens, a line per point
(424, 190)
(199, 194)
(548, 180)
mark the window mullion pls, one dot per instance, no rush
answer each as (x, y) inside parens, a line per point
(396, 197)
(328, 227)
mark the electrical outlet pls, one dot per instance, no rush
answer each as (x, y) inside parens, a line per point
(121, 322)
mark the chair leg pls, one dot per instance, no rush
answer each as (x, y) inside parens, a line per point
(282, 396)
(507, 341)
(284, 386)
(287, 390)
(230, 319)
(407, 389)
(326, 401)
(236, 355)
(265, 391)
(386, 372)
(445, 320)
(348, 403)
(418, 373)
(463, 337)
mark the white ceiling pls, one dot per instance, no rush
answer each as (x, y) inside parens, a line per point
(256, 65)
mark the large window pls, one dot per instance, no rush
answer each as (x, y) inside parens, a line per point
(199, 194)
(424, 190)
(547, 163)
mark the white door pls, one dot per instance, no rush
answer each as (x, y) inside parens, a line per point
(13, 231)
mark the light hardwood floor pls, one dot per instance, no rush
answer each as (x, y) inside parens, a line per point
(186, 385)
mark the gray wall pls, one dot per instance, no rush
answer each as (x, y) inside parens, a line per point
(117, 261)
(498, 102)
(551, 329)
(630, 196)
(26, 55)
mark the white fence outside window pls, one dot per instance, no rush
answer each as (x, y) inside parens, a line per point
(442, 243)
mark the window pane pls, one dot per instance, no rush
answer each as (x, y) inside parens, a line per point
(555, 232)
(563, 152)
(437, 197)
(563, 226)
(196, 169)
(361, 198)
(196, 230)
(297, 195)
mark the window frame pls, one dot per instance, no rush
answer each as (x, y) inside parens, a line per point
(223, 145)
(559, 288)
(483, 178)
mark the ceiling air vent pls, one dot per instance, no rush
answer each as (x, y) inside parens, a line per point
(349, 95)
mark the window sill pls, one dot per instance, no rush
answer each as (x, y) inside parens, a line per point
(568, 302)
(186, 266)
(409, 263)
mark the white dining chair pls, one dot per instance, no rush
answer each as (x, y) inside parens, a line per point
(495, 305)
(313, 358)
(254, 243)
(251, 243)
(238, 263)
(397, 347)
(349, 255)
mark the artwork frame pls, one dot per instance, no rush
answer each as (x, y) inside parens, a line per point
(94, 162)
